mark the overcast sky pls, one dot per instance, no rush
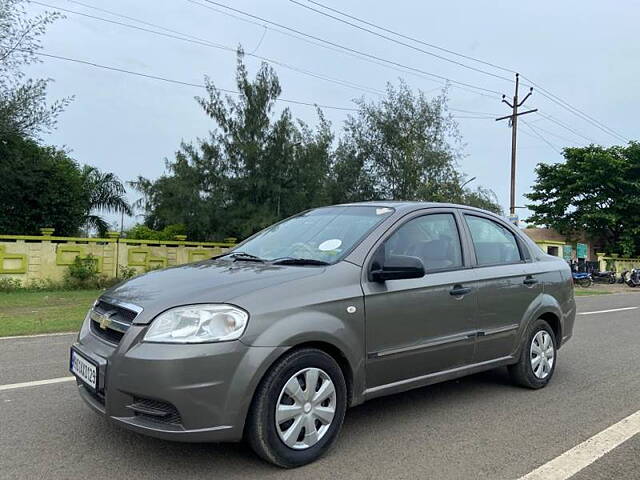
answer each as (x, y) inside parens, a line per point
(585, 52)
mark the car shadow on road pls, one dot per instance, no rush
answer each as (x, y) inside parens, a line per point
(383, 417)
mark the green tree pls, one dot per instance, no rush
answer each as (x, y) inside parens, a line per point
(104, 192)
(257, 167)
(596, 190)
(43, 187)
(23, 104)
(404, 147)
(254, 168)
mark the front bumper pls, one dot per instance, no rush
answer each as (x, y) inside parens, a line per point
(208, 386)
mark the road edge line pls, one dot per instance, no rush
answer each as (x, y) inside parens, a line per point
(39, 335)
(35, 383)
(586, 453)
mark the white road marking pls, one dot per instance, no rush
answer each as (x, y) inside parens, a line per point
(39, 335)
(13, 386)
(608, 311)
(584, 454)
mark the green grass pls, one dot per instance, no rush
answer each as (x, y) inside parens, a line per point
(585, 292)
(28, 313)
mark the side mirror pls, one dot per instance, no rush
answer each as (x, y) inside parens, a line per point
(398, 267)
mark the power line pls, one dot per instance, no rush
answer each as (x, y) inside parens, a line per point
(566, 127)
(176, 35)
(549, 132)
(326, 46)
(189, 84)
(544, 92)
(353, 50)
(413, 47)
(181, 82)
(489, 114)
(541, 137)
(575, 111)
(413, 39)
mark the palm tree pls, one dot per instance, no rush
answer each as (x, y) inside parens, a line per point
(105, 193)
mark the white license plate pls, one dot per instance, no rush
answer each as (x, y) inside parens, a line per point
(84, 369)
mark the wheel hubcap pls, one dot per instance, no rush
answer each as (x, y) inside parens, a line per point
(305, 408)
(542, 354)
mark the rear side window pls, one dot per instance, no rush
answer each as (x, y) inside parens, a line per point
(493, 243)
(432, 238)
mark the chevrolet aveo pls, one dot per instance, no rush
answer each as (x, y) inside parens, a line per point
(272, 341)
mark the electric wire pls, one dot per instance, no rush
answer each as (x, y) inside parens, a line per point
(544, 92)
(176, 35)
(180, 82)
(413, 39)
(408, 45)
(541, 137)
(356, 51)
(566, 127)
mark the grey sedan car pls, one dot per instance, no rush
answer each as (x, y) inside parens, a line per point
(272, 341)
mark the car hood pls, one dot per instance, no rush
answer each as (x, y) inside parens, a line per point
(203, 282)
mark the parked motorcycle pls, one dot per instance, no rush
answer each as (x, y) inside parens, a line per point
(604, 277)
(582, 279)
(633, 278)
(623, 277)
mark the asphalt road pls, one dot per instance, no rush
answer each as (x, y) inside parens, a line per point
(480, 427)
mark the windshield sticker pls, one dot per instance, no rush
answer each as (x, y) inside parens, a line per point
(329, 245)
(382, 211)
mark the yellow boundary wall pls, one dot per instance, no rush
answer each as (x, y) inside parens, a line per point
(32, 257)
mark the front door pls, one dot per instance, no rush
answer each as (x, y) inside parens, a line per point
(415, 327)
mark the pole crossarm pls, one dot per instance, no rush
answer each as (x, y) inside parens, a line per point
(517, 114)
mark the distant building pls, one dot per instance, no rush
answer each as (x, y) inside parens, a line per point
(558, 245)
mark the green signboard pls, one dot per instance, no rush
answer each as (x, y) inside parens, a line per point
(567, 252)
(581, 250)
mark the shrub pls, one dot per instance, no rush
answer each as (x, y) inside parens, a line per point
(82, 273)
(142, 232)
(125, 273)
(10, 284)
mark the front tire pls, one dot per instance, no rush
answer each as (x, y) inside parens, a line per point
(538, 357)
(298, 409)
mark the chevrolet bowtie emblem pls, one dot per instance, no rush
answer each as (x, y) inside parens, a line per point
(103, 320)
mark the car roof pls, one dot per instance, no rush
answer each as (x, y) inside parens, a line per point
(408, 206)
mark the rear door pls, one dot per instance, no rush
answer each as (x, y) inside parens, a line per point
(415, 327)
(507, 288)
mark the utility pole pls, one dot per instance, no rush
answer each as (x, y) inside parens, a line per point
(514, 132)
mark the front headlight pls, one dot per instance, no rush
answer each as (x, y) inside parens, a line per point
(198, 324)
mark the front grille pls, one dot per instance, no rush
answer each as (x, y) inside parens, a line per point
(122, 320)
(156, 411)
(119, 313)
(107, 334)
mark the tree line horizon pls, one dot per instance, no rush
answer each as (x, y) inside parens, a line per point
(258, 165)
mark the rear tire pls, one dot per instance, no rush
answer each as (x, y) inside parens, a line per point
(288, 444)
(538, 357)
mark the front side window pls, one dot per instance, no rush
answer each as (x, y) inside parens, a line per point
(324, 234)
(434, 239)
(493, 243)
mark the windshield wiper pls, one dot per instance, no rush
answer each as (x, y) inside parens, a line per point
(298, 261)
(242, 256)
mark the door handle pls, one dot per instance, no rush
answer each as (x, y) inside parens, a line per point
(530, 281)
(459, 290)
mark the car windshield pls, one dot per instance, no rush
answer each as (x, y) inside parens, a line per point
(321, 235)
